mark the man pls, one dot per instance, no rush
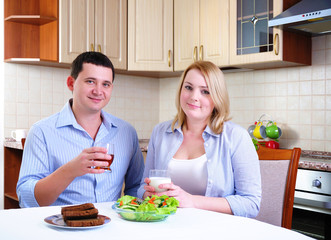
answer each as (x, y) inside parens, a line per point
(60, 159)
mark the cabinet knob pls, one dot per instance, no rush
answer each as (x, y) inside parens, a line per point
(195, 53)
(92, 47)
(316, 183)
(169, 55)
(99, 48)
(200, 52)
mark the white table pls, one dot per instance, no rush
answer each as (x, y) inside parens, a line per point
(187, 223)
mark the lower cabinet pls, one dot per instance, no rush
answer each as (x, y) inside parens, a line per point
(12, 165)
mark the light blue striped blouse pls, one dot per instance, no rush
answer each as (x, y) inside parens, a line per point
(57, 139)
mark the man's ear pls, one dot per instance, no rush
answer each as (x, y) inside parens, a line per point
(70, 83)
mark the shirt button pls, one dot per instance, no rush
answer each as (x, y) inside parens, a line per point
(206, 144)
(210, 181)
(208, 161)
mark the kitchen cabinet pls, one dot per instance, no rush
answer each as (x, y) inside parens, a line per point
(253, 44)
(12, 165)
(150, 35)
(94, 25)
(31, 30)
(201, 32)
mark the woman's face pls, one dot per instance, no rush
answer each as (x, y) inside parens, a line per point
(195, 99)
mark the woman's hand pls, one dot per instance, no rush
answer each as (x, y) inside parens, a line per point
(185, 199)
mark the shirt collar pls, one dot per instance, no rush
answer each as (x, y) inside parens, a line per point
(67, 118)
(207, 130)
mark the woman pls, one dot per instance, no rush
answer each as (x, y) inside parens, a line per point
(212, 162)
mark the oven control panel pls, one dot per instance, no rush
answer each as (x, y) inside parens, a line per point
(313, 181)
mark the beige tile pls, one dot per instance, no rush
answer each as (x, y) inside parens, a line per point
(318, 57)
(281, 89)
(328, 41)
(293, 102)
(318, 72)
(318, 132)
(318, 43)
(281, 75)
(318, 102)
(305, 131)
(293, 74)
(318, 87)
(328, 71)
(328, 102)
(22, 96)
(305, 73)
(22, 122)
(328, 56)
(318, 117)
(10, 121)
(328, 118)
(293, 88)
(281, 103)
(22, 109)
(305, 103)
(305, 88)
(10, 108)
(318, 145)
(293, 117)
(270, 76)
(305, 117)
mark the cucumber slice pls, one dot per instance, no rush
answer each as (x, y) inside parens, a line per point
(128, 216)
(127, 207)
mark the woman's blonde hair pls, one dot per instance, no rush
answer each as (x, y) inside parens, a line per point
(218, 93)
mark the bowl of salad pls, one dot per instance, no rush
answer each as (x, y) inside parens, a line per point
(152, 209)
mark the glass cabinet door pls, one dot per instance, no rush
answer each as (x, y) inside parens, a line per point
(253, 33)
(251, 40)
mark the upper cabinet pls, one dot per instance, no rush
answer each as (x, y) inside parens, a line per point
(254, 44)
(150, 35)
(31, 30)
(153, 36)
(201, 32)
(93, 25)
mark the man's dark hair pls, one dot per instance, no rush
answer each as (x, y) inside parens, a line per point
(95, 58)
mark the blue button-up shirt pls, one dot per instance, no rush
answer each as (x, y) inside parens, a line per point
(54, 141)
(232, 164)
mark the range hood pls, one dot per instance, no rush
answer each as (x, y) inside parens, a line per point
(312, 17)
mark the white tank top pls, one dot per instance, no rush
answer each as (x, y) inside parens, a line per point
(190, 175)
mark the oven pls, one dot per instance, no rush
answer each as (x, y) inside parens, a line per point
(312, 199)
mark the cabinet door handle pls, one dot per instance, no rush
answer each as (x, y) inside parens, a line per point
(195, 53)
(200, 52)
(276, 44)
(99, 48)
(92, 47)
(169, 54)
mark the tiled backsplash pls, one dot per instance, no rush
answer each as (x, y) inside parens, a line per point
(297, 98)
(35, 92)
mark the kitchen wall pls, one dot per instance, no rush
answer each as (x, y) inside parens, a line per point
(35, 92)
(297, 98)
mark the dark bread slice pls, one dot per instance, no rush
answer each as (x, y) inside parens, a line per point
(80, 214)
(86, 222)
(84, 206)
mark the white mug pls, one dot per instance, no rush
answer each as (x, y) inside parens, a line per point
(18, 134)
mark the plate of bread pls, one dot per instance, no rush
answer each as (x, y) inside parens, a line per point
(83, 216)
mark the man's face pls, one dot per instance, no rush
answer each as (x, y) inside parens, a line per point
(91, 89)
